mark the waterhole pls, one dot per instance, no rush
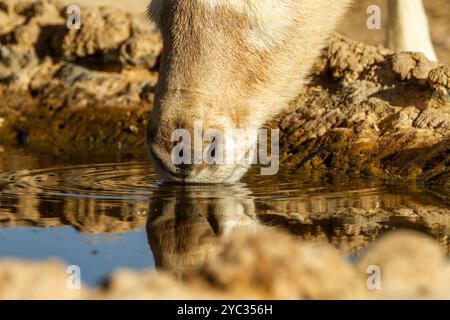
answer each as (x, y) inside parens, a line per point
(102, 214)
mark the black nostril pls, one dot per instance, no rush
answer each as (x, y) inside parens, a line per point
(184, 170)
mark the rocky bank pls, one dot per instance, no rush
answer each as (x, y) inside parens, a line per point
(366, 112)
(372, 113)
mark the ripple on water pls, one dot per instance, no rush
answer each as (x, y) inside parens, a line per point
(179, 222)
(123, 181)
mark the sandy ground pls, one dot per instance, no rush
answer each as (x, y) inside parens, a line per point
(354, 25)
(133, 5)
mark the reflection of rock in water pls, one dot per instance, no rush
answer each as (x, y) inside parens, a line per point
(352, 215)
(353, 225)
(189, 224)
(349, 216)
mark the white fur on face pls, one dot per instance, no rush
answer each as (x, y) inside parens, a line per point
(245, 59)
(271, 20)
(237, 5)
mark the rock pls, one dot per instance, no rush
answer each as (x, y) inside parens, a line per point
(103, 29)
(142, 49)
(275, 266)
(440, 76)
(412, 66)
(386, 116)
(127, 284)
(412, 267)
(35, 280)
(108, 38)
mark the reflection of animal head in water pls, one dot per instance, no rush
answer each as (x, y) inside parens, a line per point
(188, 225)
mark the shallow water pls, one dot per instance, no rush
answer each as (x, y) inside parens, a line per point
(102, 215)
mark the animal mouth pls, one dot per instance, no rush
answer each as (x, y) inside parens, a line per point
(184, 175)
(161, 168)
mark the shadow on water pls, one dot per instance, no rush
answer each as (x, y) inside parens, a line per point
(102, 216)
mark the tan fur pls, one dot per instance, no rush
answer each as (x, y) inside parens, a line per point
(237, 63)
(231, 64)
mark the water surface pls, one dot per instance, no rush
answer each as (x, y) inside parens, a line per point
(102, 214)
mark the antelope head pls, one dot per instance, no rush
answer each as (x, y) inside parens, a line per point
(226, 66)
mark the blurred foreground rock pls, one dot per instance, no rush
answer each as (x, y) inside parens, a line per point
(261, 266)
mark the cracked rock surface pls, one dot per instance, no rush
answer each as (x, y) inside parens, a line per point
(373, 113)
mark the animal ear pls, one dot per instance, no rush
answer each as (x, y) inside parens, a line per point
(154, 11)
